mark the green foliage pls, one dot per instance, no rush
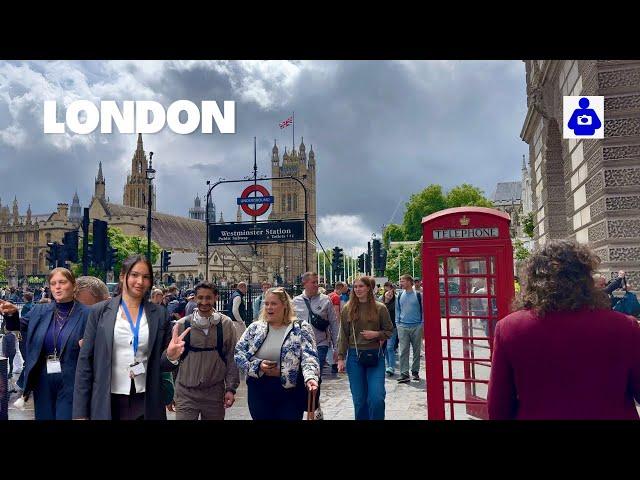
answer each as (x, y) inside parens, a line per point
(3, 268)
(392, 233)
(520, 251)
(402, 256)
(528, 225)
(466, 195)
(126, 246)
(432, 199)
(428, 201)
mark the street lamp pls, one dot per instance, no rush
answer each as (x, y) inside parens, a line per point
(151, 173)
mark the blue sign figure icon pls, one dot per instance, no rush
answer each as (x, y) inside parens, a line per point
(584, 121)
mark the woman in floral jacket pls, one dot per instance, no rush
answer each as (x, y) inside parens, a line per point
(279, 356)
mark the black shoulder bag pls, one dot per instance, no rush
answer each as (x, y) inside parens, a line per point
(316, 320)
(366, 358)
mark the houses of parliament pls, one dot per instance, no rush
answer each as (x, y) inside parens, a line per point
(24, 238)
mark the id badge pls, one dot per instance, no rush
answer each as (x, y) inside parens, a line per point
(136, 369)
(53, 366)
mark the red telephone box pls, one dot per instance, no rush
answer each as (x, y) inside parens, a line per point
(467, 270)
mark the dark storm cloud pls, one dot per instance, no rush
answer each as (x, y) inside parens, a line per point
(381, 131)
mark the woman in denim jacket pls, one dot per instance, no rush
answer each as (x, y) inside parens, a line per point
(279, 356)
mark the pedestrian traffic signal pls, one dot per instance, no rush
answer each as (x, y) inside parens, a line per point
(71, 246)
(100, 241)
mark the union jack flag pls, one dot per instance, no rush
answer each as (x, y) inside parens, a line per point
(286, 123)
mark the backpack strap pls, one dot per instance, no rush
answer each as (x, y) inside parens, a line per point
(187, 340)
(219, 341)
(419, 296)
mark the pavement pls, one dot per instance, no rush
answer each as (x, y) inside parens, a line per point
(405, 401)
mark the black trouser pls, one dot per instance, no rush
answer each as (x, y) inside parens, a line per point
(269, 400)
(127, 407)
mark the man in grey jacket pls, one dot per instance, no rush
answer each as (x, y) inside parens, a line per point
(311, 300)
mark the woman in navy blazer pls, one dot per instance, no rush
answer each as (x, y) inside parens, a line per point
(564, 355)
(52, 348)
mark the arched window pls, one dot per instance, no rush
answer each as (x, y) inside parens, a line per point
(139, 167)
(295, 202)
(283, 203)
(289, 202)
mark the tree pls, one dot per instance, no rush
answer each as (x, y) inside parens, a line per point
(521, 252)
(466, 195)
(428, 201)
(402, 255)
(3, 267)
(432, 199)
(392, 233)
(528, 225)
(126, 245)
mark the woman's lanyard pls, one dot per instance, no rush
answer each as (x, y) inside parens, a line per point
(62, 324)
(134, 329)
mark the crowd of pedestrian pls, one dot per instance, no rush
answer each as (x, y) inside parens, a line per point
(148, 350)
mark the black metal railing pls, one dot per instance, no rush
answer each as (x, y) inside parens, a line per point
(4, 388)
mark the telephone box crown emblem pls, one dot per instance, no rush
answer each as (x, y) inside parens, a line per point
(464, 221)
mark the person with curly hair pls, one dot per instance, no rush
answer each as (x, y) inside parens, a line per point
(564, 354)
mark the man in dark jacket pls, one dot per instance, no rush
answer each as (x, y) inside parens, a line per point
(611, 286)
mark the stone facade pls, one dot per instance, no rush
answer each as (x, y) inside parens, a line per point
(587, 190)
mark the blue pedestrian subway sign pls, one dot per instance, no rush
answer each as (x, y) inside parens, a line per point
(583, 117)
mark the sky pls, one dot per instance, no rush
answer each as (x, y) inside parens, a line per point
(381, 131)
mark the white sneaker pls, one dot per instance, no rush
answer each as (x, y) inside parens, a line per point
(19, 404)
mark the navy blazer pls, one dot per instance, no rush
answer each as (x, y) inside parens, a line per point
(92, 394)
(39, 319)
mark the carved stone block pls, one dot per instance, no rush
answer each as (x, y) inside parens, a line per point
(594, 185)
(619, 78)
(629, 202)
(624, 151)
(624, 254)
(598, 232)
(623, 228)
(597, 207)
(622, 127)
(603, 253)
(621, 177)
(622, 103)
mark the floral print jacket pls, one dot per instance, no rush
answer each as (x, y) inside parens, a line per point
(299, 343)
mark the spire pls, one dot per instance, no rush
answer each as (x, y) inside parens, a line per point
(221, 219)
(100, 177)
(239, 214)
(524, 165)
(140, 146)
(312, 157)
(196, 202)
(15, 210)
(303, 153)
(76, 199)
(29, 215)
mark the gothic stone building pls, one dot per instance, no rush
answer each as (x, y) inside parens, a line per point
(587, 190)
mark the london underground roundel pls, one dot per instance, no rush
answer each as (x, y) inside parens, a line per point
(258, 205)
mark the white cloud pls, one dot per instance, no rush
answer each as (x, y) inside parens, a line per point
(346, 231)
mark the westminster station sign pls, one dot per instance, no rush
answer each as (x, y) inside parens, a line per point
(256, 232)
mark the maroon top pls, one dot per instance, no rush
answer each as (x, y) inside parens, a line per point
(567, 365)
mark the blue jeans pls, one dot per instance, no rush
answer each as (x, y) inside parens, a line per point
(367, 388)
(322, 356)
(390, 351)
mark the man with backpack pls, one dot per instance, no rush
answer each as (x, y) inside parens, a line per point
(409, 325)
(208, 375)
(316, 308)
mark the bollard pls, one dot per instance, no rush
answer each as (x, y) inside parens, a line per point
(4, 389)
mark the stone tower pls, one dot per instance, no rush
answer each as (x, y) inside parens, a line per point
(289, 203)
(136, 188)
(99, 187)
(76, 210)
(197, 212)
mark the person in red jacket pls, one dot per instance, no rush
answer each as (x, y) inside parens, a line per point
(564, 354)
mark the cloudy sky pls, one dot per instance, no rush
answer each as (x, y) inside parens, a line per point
(381, 131)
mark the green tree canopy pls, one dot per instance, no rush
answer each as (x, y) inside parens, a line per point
(3, 267)
(432, 199)
(392, 233)
(428, 201)
(126, 246)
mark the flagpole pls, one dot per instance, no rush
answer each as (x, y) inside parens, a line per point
(293, 130)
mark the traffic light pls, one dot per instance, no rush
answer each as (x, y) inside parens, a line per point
(166, 260)
(338, 260)
(377, 257)
(383, 261)
(361, 262)
(53, 255)
(71, 246)
(367, 264)
(100, 241)
(110, 259)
